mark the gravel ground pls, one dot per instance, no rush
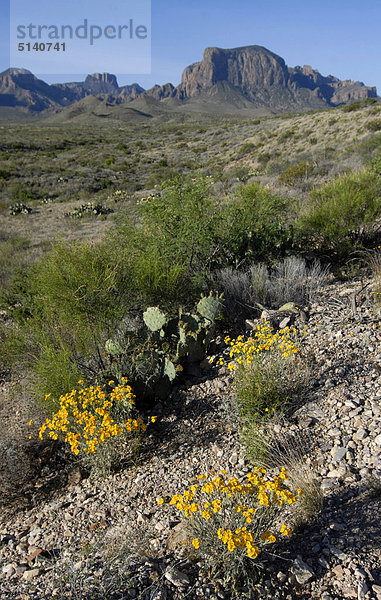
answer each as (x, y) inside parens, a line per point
(62, 535)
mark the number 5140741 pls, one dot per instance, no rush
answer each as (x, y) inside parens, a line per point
(42, 46)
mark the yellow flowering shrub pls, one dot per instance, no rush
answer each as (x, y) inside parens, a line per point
(265, 339)
(267, 368)
(89, 416)
(233, 520)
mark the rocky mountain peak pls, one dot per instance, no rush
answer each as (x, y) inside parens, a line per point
(246, 68)
(101, 83)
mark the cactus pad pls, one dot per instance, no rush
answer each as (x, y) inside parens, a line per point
(113, 348)
(154, 318)
(210, 306)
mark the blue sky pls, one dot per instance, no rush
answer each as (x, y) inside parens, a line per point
(338, 37)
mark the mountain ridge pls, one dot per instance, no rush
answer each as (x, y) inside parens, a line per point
(237, 80)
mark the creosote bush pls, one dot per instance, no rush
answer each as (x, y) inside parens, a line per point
(233, 521)
(342, 212)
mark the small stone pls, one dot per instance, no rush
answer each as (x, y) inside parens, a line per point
(281, 577)
(233, 460)
(338, 553)
(338, 571)
(336, 473)
(360, 434)
(31, 574)
(359, 573)
(303, 572)
(9, 570)
(176, 577)
(339, 454)
(378, 440)
(323, 562)
(362, 589)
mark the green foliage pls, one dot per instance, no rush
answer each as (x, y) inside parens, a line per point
(110, 161)
(374, 125)
(256, 225)
(12, 253)
(339, 213)
(246, 148)
(351, 107)
(297, 174)
(67, 301)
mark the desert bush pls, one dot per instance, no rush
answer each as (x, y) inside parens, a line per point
(88, 209)
(63, 307)
(262, 373)
(257, 222)
(12, 260)
(374, 125)
(91, 418)
(188, 229)
(297, 174)
(246, 148)
(337, 216)
(233, 521)
(270, 380)
(351, 107)
(275, 447)
(290, 280)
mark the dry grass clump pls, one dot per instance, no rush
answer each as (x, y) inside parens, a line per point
(290, 280)
(102, 568)
(274, 446)
(374, 261)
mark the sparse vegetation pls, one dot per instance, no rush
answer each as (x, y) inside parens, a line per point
(248, 208)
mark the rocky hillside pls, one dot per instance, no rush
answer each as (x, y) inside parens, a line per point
(235, 80)
(98, 535)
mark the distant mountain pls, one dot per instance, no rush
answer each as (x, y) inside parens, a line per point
(247, 80)
(264, 79)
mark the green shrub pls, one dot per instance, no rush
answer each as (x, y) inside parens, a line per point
(351, 107)
(297, 174)
(339, 214)
(234, 520)
(374, 125)
(269, 378)
(257, 221)
(12, 260)
(64, 305)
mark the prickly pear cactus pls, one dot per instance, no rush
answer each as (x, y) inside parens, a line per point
(169, 369)
(210, 306)
(154, 318)
(113, 348)
(190, 323)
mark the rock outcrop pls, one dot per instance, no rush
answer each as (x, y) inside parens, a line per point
(249, 68)
(263, 77)
(233, 80)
